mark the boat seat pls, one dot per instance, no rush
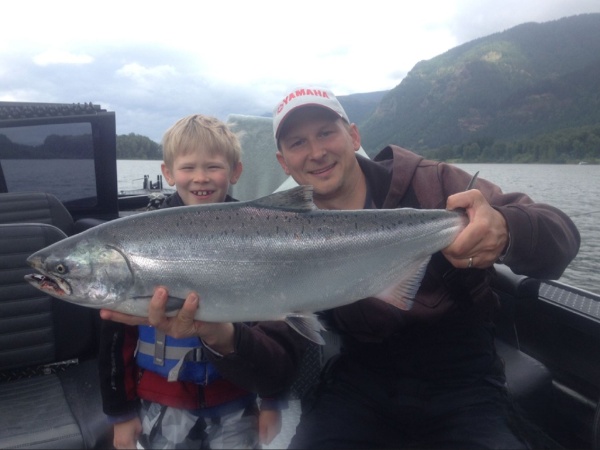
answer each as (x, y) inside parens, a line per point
(49, 386)
(512, 290)
(529, 380)
(41, 207)
(35, 207)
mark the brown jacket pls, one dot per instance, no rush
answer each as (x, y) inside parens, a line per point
(449, 333)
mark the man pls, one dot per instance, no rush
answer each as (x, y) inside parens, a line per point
(428, 377)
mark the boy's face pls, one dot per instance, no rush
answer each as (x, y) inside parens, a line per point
(319, 150)
(200, 177)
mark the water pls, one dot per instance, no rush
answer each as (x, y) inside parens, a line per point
(130, 173)
(575, 190)
(572, 188)
(68, 179)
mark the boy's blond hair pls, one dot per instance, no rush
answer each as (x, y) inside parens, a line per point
(200, 133)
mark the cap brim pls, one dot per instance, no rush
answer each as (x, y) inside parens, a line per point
(298, 108)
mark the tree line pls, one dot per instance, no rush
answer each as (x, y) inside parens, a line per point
(136, 146)
(567, 146)
(53, 147)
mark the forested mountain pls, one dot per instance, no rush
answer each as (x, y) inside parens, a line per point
(135, 146)
(510, 96)
(360, 107)
(527, 94)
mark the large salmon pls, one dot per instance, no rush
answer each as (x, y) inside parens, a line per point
(275, 258)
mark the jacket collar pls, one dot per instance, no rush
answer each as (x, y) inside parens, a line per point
(389, 174)
(401, 165)
(378, 176)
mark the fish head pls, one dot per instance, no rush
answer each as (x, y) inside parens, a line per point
(82, 272)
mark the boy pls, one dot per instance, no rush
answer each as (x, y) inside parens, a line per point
(182, 400)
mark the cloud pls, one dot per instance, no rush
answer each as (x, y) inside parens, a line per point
(476, 18)
(153, 63)
(139, 73)
(61, 57)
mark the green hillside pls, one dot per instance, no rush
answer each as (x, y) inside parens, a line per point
(360, 107)
(512, 90)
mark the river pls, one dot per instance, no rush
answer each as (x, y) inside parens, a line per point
(573, 188)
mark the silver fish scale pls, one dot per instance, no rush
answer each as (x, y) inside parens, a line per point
(252, 263)
(260, 260)
(268, 235)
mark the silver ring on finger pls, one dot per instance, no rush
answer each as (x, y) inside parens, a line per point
(470, 264)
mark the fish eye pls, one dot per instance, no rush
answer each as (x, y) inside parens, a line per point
(61, 268)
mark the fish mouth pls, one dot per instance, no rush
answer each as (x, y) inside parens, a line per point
(45, 282)
(51, 285)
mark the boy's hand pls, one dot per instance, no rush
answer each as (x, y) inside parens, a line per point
(126, 434)
(217, 335)
(269, 425)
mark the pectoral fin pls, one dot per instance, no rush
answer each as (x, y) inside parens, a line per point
(403, 292)
(308, 325)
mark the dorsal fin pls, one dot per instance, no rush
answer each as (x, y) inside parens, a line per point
(299, 198)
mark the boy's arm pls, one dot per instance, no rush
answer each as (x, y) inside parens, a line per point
(262, 358)
(117, 371)
(269, 419)
(266, 357)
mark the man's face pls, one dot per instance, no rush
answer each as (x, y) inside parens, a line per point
(316, 147)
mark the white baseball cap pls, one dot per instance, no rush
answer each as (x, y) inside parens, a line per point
(305, 96)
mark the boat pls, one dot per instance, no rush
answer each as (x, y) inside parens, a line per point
(58, 177)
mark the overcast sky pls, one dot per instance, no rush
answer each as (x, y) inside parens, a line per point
(154, 62)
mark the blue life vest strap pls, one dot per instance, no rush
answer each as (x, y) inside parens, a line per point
(184, 361)
(159, 347)
(161, 351)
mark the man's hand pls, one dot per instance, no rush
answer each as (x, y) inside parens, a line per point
(484, 238)
(217, 335)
